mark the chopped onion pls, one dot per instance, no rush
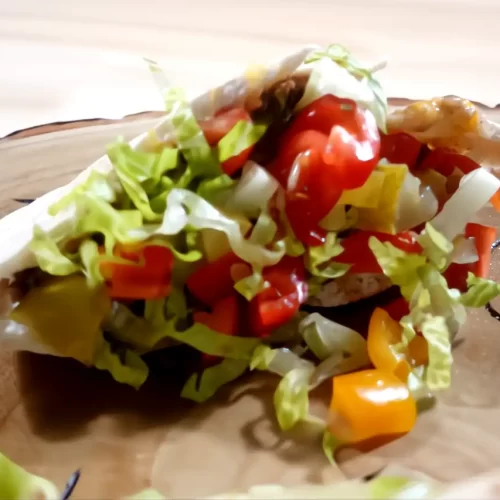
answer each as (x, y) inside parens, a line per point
(253, 191)
(417, 204)
(465, 251)
(474, 192)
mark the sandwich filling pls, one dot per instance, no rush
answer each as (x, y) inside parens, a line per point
(227, 237)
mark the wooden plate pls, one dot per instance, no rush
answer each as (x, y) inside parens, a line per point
(56, 416)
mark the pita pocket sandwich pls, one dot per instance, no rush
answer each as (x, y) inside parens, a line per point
(231, 232)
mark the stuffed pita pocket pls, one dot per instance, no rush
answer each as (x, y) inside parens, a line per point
(210, 236)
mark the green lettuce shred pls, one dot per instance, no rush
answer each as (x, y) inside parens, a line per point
(126, 367)
(291, 398)
(187, 208)
(330, 445)
(435, 310)
(201, 159)
(343, 58)
(48, 255)
(18, 484)
(140, 174)
(436, 247)
(242, 136)
(262, 357)
(480, 291)
(251, 285)
(400, 267)
(212, 379)
(320, 261)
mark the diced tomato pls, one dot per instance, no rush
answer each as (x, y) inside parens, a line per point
(310, 195)
(331, 145)
(400, 148)
(484, 237)
(292, 146)
(353, 145)
(397, 308)
(148, 276)
(224, 318)
(278, 304)
(217, 127)
(445, 161)
(357, 251)
(353, 150)
(213, 281)
(322, 114)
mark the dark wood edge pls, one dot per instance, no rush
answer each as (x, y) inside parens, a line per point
(91, 122)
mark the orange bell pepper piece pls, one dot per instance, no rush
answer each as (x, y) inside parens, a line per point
(370, 404)
(224, 318)
(148, 276)
(384, 333)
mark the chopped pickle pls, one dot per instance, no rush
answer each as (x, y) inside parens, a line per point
(65, 314)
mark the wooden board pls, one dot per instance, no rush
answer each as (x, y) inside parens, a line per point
(56, 416)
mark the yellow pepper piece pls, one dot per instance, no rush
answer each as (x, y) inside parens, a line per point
(65, 315)
(383, 217)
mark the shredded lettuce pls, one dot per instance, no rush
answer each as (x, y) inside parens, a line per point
(438, 372)
(125, 366)
(187, 208)
(213, 378)
(242, 136)
(97, 185)
(252, 192)
(262, 357)
(251, 285)
(91, 259)
(48, 255)
(131, 329)
(480, 291)
(325, 337)
(18, 484)
(97, 216)
(330, 444)
(149, 494)
(202, 160)
(401, 267)
(436, 247)
(435, 309)
(343, 76)
(320, 260)
(474, 193)
(417, 204)
(211, 342)
(291, 398)
(216, 190)
(140, 173)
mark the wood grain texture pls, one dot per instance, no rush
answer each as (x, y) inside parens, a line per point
(64, 60)
(57, 416)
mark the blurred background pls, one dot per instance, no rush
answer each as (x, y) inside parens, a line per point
(63, 59)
